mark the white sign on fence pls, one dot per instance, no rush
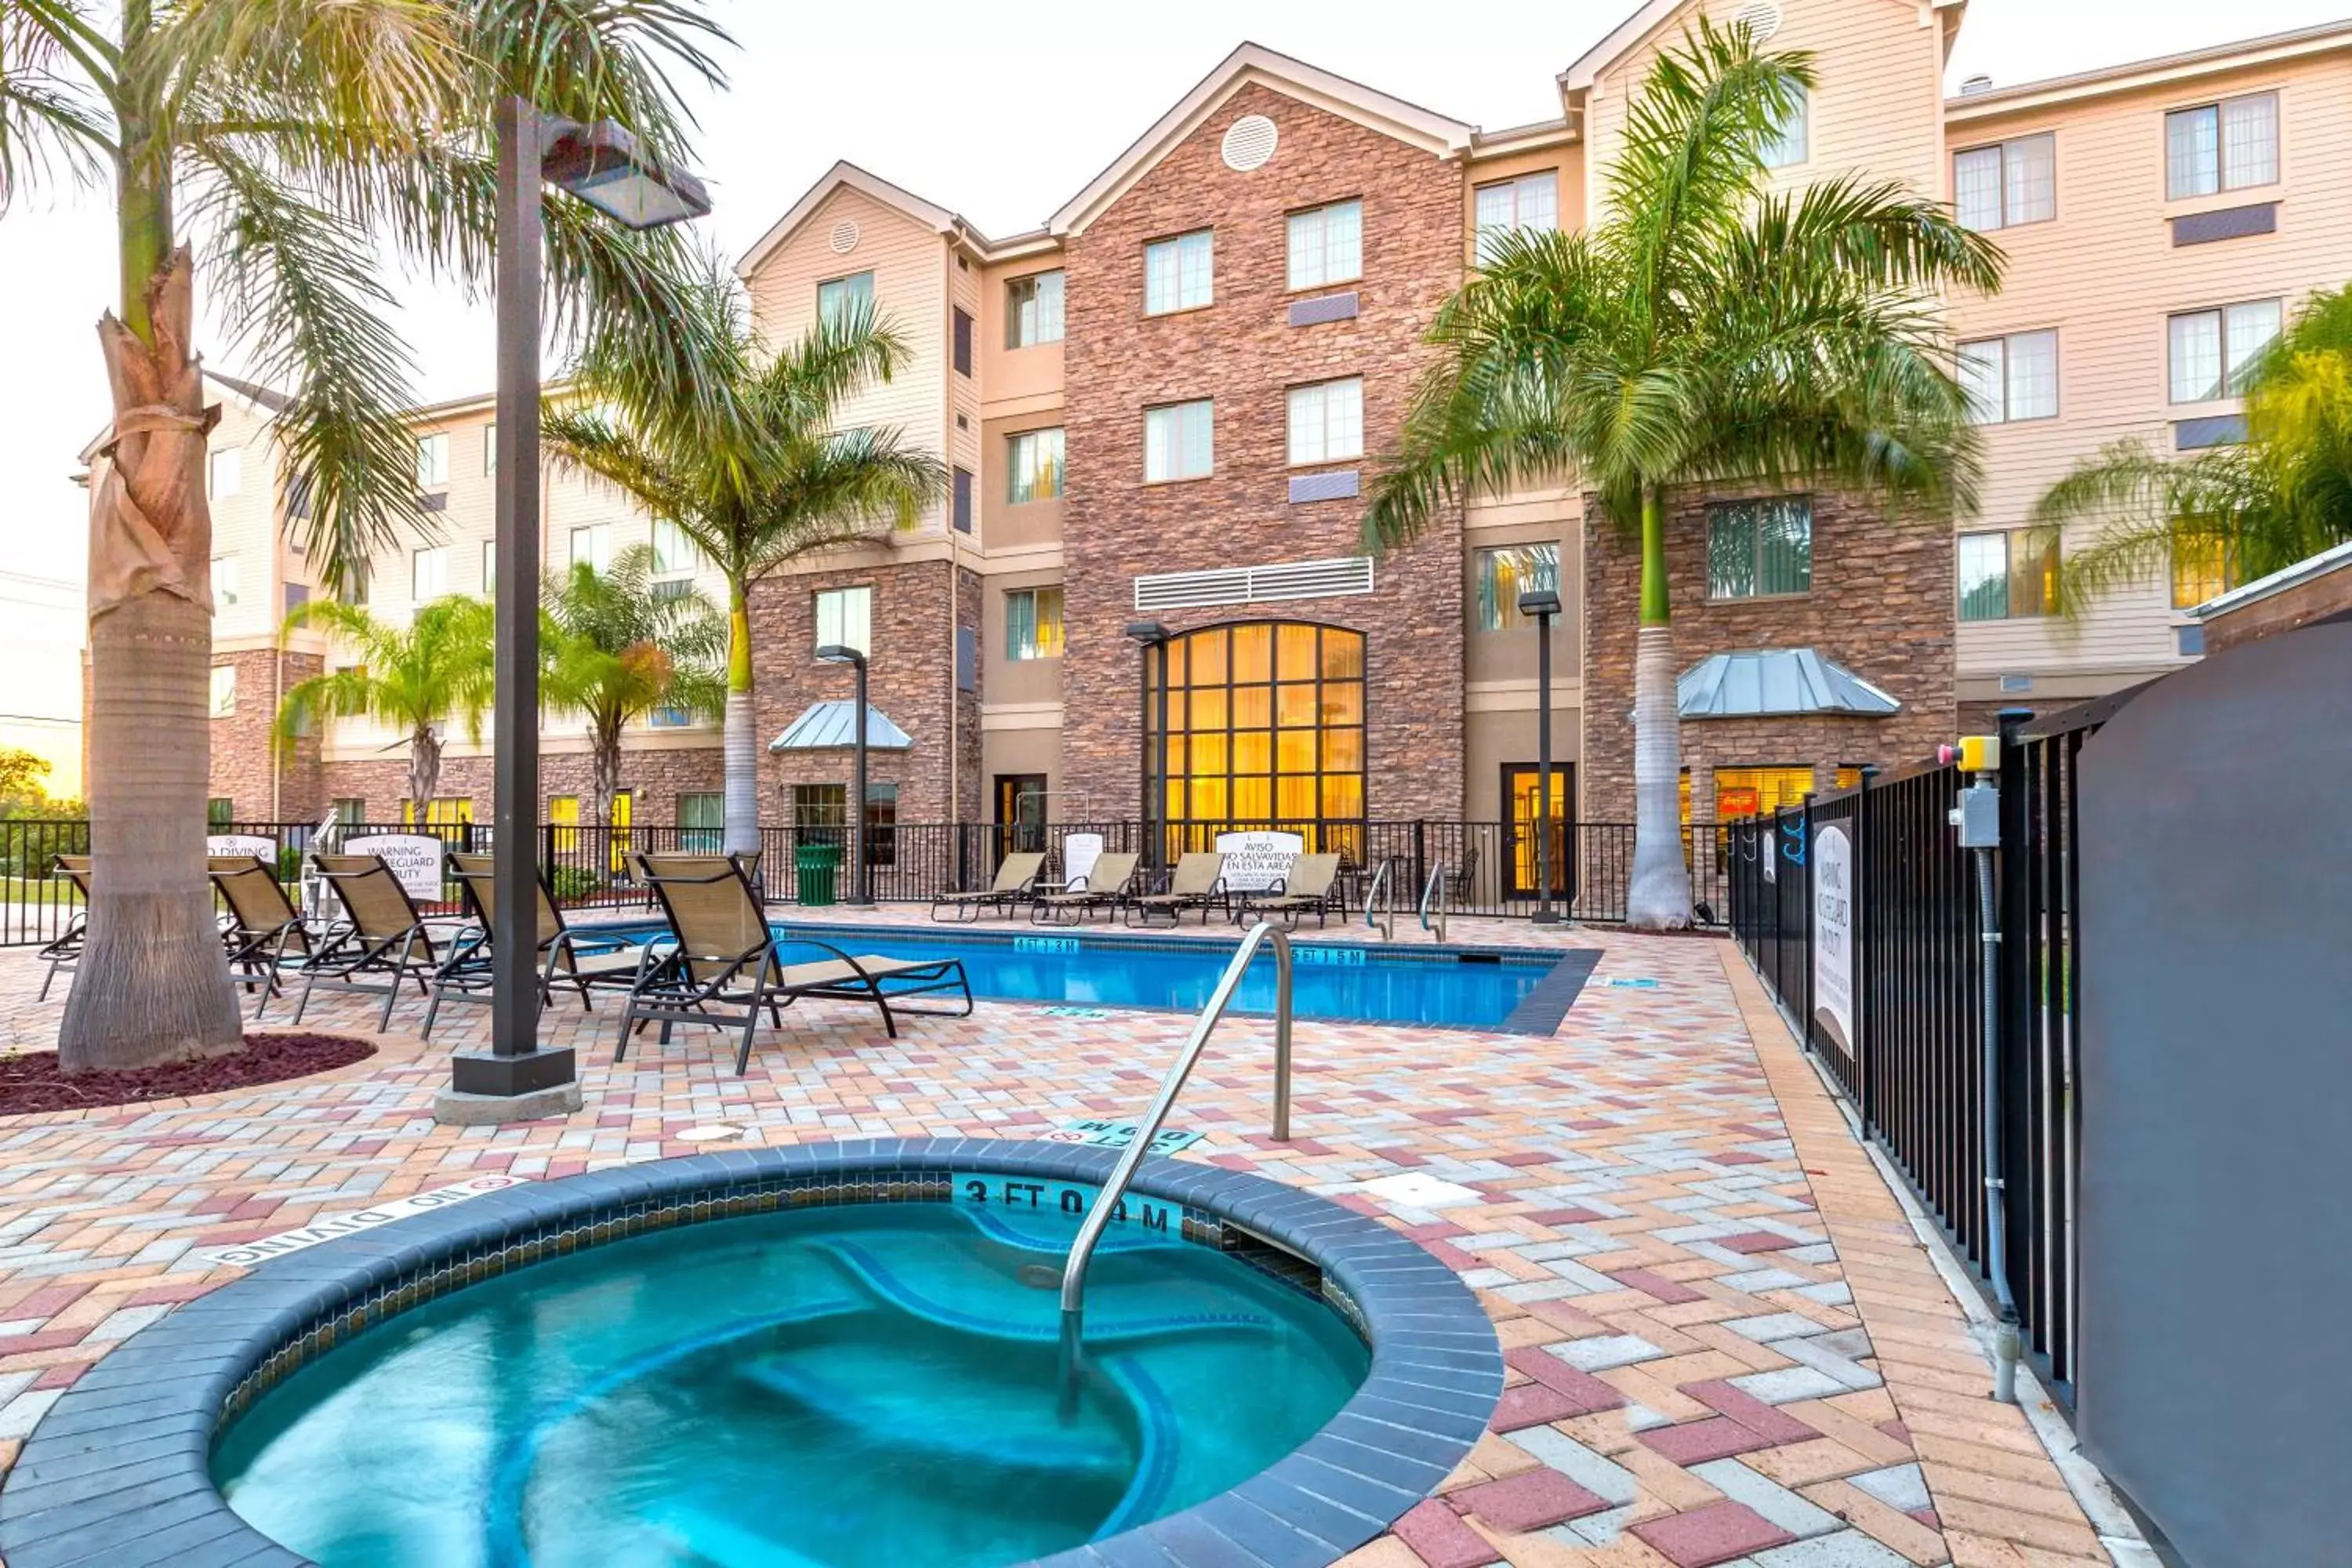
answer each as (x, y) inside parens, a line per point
(1255, 861)
(414, 859)
(1079, 853)
(1834, 922)
(243, 843)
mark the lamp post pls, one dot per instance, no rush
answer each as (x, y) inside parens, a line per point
(861, 892)
(1149, 635)
(1543, 604)
(606, 167)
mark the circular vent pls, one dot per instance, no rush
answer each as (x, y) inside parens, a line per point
(1760, 17)
(1249, 142)
(845, 236)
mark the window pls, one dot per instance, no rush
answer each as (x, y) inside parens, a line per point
(1032, 624)
(219, 811)
(1788, 143)
(881, 824)
(1326, 244)
(225, 475)
(668, 718)
(961, 501)
(432, 460)
(593, 547)
(839, 300)
(354, 590)
(490, 448)
(489, 567)
(350, 810)
(294, 594)
(441, 811)
(673, 550)
(2007, 184)
(1179, 441)
(2213, 352)
(1033, 461)
(820, 806)
(1505, 573)
(2009, 576)
(1327, 421)
(1266, 726)
(1177, 274)
(963, 342)
(1033, 311)
(2010, 378)
(702, 821)
(428, 577)
(1530, 202)
(224, 581)
(224, 691)
(2202, 568)
(1753, 791)
(844, 617)
(2223, 146)
(564, 816)
(1756, 549)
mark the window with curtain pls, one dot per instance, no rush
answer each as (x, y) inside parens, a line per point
(1032, 623)
(2223, 146)
(2010, 378)
(1757, 549)
(839, 298)
(428, 575)
(350, 810)
(2213, 352)
(1791, 139)
(1034, 466)
(1509, 571)
(2007, 184)
(2011, 576)
(1032, 309)
(1505, 206)
(1327, 421)
(1326, 244)
(2202, 569)
(1179, 441)
(844, 618)
(432, 460)
(1179, 274)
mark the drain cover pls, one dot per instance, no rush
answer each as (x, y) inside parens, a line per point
(713, 1132)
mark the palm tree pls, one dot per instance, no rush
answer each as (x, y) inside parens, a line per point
(2250, 510)
(618, 646)
(1707, 331)
(756, 478)
(415, 677)
(298, 140)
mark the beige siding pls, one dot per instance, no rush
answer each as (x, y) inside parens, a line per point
(244, 525)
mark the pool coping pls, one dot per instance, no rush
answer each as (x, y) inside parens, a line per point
(118, 1473)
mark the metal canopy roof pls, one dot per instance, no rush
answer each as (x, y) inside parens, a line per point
(830, 724)
(1760, 681)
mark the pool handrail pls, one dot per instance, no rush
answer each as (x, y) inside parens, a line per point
(1090, 1229)
(1375, 917)
(1433, 893)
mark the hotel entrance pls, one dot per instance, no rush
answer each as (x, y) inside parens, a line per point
(1521, 786)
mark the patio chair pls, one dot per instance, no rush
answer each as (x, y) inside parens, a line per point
(1015, 883)
(65, 952)
(726, 965)
(1310, 887)
(1198, 881)
(263, 929)
(381, 934)
(1108, 886)
(580, 959)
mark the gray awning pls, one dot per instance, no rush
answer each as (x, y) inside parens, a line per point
(1760, 681)
(831, 724)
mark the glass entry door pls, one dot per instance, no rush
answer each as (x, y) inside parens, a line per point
(1020, 813)
(1521, 782)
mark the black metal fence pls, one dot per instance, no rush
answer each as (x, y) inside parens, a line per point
(1879, 867)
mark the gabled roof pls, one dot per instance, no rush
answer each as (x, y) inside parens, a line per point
(1627, 35)
(1760, 681)
(2269, 50)
(847, 175)
(1251, 63)
(261, 400)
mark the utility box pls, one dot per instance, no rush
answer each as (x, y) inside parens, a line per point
(1977, 816)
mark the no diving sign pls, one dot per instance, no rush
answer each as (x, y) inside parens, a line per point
(245, 1254)
(1119, 1135)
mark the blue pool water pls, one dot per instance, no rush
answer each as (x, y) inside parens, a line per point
(1346, 980)
(852, 1387)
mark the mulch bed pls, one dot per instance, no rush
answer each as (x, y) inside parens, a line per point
(31, 1083)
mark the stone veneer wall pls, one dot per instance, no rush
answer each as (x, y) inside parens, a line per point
(655, 778)
(241, 750)
(1881, 604)
(1241, 351)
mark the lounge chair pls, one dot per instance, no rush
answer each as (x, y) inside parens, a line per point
(1015, 883)
(65, 952)
(381, 934)
(726, 963)
(1310, 887)
(1108, 886)
(264, 930)
(1198, 881)
(580, 959)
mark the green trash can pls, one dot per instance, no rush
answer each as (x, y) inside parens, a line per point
(817, 864)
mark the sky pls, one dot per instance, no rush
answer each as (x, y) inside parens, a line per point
(1001, 121)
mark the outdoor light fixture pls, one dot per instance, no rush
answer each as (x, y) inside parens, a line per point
(1146, 636)
(861, 894)
(609, 169)
(1541, 604)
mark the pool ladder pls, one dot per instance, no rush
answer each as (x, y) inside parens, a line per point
(1114, 1192)
(1380, 907)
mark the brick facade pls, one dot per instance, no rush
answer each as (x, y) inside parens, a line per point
(1241, 351)
(1880, 603)
(243, 756)
(654, 778)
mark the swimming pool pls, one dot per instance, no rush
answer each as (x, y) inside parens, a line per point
(1517, 991)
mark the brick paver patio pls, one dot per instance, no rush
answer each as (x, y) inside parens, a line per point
(1725, 1344)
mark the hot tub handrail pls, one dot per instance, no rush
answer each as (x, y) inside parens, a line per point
(1090, 1229)
(1432, 896)
(1375, 917)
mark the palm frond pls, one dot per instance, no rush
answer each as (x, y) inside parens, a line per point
(55, 119)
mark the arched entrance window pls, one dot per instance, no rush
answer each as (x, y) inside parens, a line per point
(1265, 728)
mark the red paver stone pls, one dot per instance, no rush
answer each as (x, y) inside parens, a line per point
(1657, 1286)
(1696, 1442)
(1775, 1425)
(1439, 1538)
(1753, 1241)
(1590, 1392)
(1533, 1405)
(1565, 1217)
(1739, 1157)
(1715, 1534)
(1452, 1256)
(1533, 1499)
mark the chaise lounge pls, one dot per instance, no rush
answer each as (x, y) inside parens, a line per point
(1309, 888)
(1015, 883)
(1198, 882)
(581, 959)
(1109, 886)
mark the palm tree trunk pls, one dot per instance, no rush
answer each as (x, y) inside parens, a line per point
(1658, 897)
(153, 984)
(604, 766)
(741, 834)
(423, 770)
